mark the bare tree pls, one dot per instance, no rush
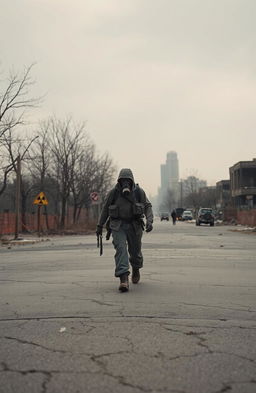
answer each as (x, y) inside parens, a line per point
(82, 181)
(193, 200)
(94, 173)
(27, 187)
(40, 155)
(191, 184)
(205, 197)
(104, 175)
(14, 100)
(10, 150)
(64, 155)
(208, 197)
(66, 139)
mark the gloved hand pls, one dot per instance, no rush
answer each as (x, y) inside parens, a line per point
(149, 226)
(99, 230)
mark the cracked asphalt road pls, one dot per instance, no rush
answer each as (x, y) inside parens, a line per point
(188, 326)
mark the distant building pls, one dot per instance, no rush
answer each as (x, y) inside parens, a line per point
(223, 195)
(169, 178)
(243, 183)
(172, 165)
(164, 178)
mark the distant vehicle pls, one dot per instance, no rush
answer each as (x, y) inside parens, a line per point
(164, 216)
(179, 211)
(187, 215)
(205, 215)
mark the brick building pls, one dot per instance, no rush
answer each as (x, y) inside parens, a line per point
(243, 184)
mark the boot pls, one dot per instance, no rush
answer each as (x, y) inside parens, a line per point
(135, 275)
(124, 283)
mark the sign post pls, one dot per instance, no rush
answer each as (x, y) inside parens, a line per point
(17, 201)
(40, 200)
(96, 200)
(38, 220)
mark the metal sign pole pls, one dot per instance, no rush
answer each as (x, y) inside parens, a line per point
(17, 202)
(38, 219)
(40, 200)
(96, 200)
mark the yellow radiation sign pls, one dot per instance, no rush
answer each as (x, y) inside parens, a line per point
(40, 199)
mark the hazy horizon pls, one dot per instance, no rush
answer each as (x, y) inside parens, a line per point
(147, 77)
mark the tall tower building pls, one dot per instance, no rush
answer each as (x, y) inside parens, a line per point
(164, 177)
(172, 165)
(169, 177)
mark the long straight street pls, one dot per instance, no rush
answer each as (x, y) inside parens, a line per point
(188, 326)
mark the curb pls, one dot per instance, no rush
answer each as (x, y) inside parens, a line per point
(22, 242)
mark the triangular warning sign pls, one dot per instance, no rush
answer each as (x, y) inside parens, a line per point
(40, 199)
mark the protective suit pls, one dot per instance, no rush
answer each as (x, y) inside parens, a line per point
(124, 209)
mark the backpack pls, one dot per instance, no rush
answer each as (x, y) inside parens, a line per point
(138, 196)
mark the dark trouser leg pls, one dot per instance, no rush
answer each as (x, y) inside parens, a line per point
(121, 255)
(134, 246)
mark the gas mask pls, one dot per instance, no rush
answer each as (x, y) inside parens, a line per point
(126, 186)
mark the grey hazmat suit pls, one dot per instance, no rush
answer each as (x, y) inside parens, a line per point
(125, 212)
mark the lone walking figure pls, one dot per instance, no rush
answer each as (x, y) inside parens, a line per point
(123, 211)
(174, 216)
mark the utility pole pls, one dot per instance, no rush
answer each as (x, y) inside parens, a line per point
(181, 193)
(17, 202)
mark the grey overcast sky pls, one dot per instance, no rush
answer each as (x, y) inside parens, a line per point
(148, 76)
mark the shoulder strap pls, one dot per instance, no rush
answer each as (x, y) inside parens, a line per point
(138, 193)
(114, 196)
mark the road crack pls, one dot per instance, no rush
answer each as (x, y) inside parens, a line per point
(35, 344)
(220, 307)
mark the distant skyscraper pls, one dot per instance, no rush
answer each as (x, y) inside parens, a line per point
(169, 176)
(172, 165)
(164, 177)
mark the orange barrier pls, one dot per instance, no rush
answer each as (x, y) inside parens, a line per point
(28, 222)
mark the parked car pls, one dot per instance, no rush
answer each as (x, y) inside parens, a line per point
(205, 216)
(164, 216)
(187, 215)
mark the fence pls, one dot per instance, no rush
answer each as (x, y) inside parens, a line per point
(247, 217)
(48, 223)
(243, 217)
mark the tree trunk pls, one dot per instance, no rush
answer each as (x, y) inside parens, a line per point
(63, 212)
(23, 213)
(75, 210)
(46, 217)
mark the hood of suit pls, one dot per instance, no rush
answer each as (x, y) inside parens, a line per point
(126, 181)
(126, 173)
